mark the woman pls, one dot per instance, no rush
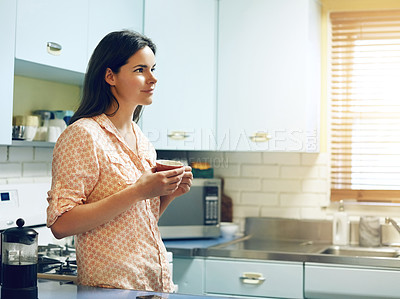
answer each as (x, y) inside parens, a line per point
(104, 187)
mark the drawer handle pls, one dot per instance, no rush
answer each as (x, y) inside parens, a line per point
(178, 135)
(252, 278)
(260, 137)
(54, 48)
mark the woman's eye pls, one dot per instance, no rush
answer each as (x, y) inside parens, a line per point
(139, 70)
(153, 69)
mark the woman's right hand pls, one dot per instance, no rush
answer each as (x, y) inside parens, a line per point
(152, 184)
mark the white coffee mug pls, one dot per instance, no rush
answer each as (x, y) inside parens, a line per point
(53, 133)
(30, 132)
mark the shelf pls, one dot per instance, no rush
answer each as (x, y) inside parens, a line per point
(24, 143)
(44, 72)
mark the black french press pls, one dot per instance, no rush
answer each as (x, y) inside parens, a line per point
(19, 248)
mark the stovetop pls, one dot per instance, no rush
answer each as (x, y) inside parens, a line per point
(56, 259)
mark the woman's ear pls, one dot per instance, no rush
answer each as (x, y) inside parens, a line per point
(109, 77)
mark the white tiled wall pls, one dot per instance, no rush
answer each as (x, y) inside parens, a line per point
(25, 164)
(291, 185)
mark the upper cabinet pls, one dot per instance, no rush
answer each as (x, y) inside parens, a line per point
(51, 33)
(266, 94)
(7, 42)
(183, 114)
(55, 38)
(106, 16)
(269, 75)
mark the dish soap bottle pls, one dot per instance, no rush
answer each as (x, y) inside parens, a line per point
(341, 226)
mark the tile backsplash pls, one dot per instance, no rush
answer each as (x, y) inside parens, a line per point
(25, 164)
(288, 185)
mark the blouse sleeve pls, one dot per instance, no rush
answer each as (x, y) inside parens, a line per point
(75, 171)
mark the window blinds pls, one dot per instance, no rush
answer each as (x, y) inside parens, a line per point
(365, 105)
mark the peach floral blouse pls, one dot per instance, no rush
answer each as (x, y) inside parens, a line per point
(91, 161)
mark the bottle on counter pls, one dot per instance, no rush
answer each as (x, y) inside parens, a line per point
(341, 226)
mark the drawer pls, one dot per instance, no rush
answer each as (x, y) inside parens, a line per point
(254, 278)
(341, 281)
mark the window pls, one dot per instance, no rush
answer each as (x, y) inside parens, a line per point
(365, 106)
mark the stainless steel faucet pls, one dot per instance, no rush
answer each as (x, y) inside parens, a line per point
(394, 223)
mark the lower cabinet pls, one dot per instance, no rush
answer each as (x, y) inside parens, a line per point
(244, 278)
(240, 278)
(254, 278)
(188, 274)
(343, 281)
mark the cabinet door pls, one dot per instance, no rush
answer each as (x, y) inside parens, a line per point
(268, 75)
(188, 274)
(7, 42)
(339, 281)
(107, 16)
(254, 278)
(182, 115)
(45, 25)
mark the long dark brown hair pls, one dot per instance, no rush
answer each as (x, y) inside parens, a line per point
(113, 51)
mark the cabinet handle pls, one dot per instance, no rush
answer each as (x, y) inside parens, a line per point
(260, 137)
(252, 278)
(178, 135)
(54, 48)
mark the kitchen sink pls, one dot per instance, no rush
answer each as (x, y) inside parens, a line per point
(361, 251)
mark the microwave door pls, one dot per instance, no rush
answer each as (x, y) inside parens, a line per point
(185, 210)
(195, 214)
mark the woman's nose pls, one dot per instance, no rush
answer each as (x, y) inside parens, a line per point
(152, 78)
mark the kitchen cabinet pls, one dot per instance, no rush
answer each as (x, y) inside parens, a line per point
(76, 26)
(107, 16)
(343, 281)
(183, 114)
(269, 75)
(241, 278)
(7, 42)
(51, 33)
(188, 274)
(253, 278)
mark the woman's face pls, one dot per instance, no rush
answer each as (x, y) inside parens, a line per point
(135, 82)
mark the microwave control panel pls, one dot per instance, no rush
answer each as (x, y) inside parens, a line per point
(211, 205)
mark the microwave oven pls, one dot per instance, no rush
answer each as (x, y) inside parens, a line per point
(195, 214)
